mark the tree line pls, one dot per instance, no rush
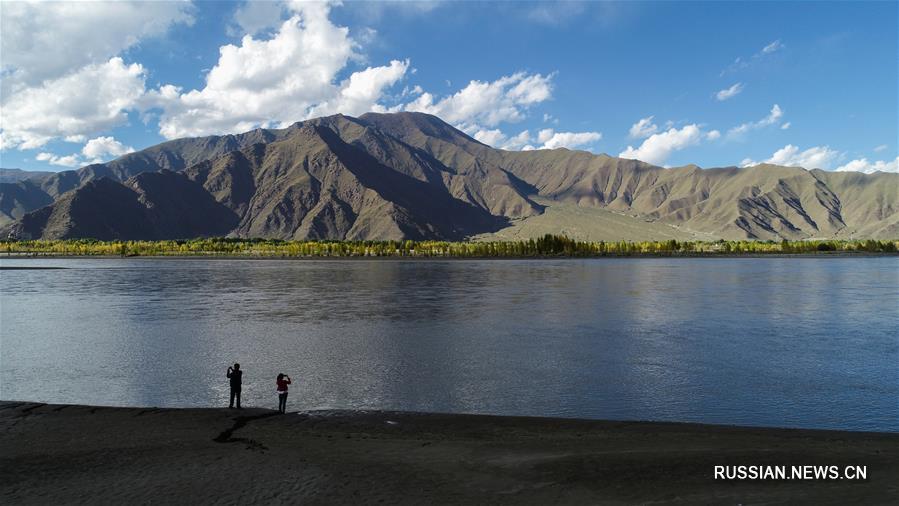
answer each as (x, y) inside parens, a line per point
(546, 246)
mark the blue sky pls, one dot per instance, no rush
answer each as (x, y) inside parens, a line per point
(812, 84)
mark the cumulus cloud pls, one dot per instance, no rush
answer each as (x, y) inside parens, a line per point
(545, 139)
(727, 93)
(477, 108)
(47, 40)
(863, 165)
(488, 103)
(816, 157)
(281, 71)
(63, 161)
(96, 150)
(643, 128)
(362, 90)
(552, 139)
(658, 147)
(518, 141)
(102, 148)
(773, 117)
(61, 75)
(481, 106)
(713, 135)
(495, 137)
(291, 75)
(272, 82)
(92, 99)
(823, 157)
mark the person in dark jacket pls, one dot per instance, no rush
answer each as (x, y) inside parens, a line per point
(236, 376)
(282, 381)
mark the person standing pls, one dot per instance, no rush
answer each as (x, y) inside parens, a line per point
(236, 377)
(282, 381)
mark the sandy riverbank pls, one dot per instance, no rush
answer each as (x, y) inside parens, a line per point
(57, 454)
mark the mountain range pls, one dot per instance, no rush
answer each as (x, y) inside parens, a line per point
(413, 176)
(16, 175)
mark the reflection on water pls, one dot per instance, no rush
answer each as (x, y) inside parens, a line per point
(801, 342)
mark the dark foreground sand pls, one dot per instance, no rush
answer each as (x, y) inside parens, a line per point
(57, 454)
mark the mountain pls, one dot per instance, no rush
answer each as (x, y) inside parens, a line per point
(152, 205)
(413, 176)
(18, 198)
(16, 175)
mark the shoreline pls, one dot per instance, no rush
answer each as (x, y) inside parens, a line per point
(72, 453)
(215, 256)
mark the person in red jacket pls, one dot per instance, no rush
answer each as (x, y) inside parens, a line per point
(282, 381)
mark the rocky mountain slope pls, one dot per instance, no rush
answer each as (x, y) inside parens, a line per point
(412, 176)
(16, 175)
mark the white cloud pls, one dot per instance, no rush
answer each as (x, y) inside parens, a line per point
(786, 126)
(643, 128)
(494, 137)
(546, 138)
(658, 147)
(816, 157)
(731, 92)
(518, 141)
(823, 157)
(713, 135)
(498, 139)
(880, 148)
(361, 92)
(61, 76)
(95, 98)
(281, 71)
(96, 150)
(552, 139)
(772, 47)
(863, 165)
(773, 117)
(101, 148)
(47, 40)
(741, 63)
(277, 81)
(488, 103)
(64, 161)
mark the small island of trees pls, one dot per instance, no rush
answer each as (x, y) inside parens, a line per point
(546, 246)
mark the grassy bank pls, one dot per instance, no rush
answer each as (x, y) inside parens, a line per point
(549, 245)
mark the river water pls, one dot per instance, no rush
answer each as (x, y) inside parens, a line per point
(774, 341)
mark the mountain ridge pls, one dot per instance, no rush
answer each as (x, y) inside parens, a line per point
(413, 176)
